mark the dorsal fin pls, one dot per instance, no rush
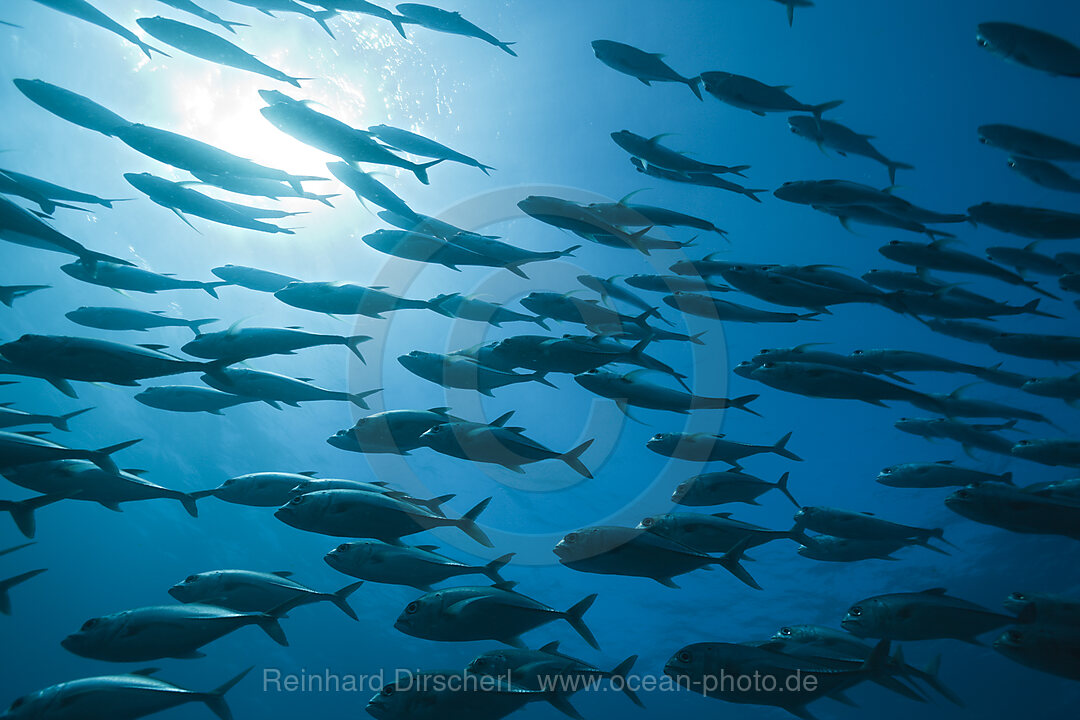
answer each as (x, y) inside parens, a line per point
(427, 548)
(501, 420)
(933, 591)
(283, 573)
(153, 346)
(722, 515)
(309, 473)
(551, 648)
(145, 671)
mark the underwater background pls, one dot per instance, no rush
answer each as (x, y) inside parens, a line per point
(909, 72)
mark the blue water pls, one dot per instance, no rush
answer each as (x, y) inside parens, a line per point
(910, 73)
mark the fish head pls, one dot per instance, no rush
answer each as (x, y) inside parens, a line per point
(95, 633)
(664, 443)
(195, 588)
(1017, 602)
(28, 348)
(351, 554)
(864, 618)
(658, 524)
(38, 705)
(745, 368)
(495, 662)
(393, 703)
(581, 544)
(997, 37)
(806, 126)
(302, 506)
(689, 663)
(438, 436)
(683, 491)
(1020, 643)
(419, 361)
(797, 633)
(796, 191)
(424, 612)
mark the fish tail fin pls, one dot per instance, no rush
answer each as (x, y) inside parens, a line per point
(215, 699)
(541, 321)
(620, 672)
(211, 288)
(695, 86)
(195, 325)
(188, 501)
(730, 562)
(930, 677)
(561, 702)
(573, 459)
(148, 49)
(396, 22)
(1006, 478)
(5, 585)
(938, 533)
(269, 624)
(740, 403)
(61, 422)
(790, 15)
(321, 17)
(893, 167)
(23, 512)
(421, 170)
(782, 486)
(467, 524)
(780, 448)
(575, 616)
(434, 504)
(229, 25)
(817, 110)
(505, 46)
(540, 376)
(1032, 308)
(358, 399)
(492, 568)
(325, 199)
(354, 341)
(101, 457)
(752, 193)
(341, 598)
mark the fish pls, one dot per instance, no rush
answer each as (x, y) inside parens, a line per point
(197, 157)
(1029, 47)
(365, 8)
(358, 514)
(824, 381)
(314, 484)
(258, 187)
(1030, 222)
(269, 7)
(1044, 608)
(629, 390)
(249, 591)
(190, 398)
(430, 695)
(38, 190)
(970, 436)
(132, 696)
(536, 668)
(460, 372)
(927, 615)
(970, 331)
(702, 179)
(942, 473)
(957, 405)
(1047, 649)
(564, 307)
(611, 550)
(465, 614)
(340, 298)
(114, 318)
(646, 67)
(674, 284)
(208, 46)
(1028, 143)
(394, 432)
(8, 551)
(367, 187)
(757, 97)
(471, 308)
(165, 631)
(801, 287)
(430, 249)
(936, 256)
(718, 532)
(71, 106)
(650, 151)
(1058, 348)
(414, 144)
(705, 447)
(840, 193)
(499, 445)
(10, 417)
(609, 290)
(896, 280)
(697, 667)
(729, 486)
(1016, 510)
(190, 7)
(827, 548)
(92, 360)
(253, 278)
(1045, 174)
(273, 388)
(716, 309)
(955, 303)
(1064, 388)
(21, 227)
(636, 215)
(262, 489)
(418, 567)
(446, 21)
(1063, 452)
(86, 12)
(1026, 259)
(870, 215)
(185, 201)
(238, 344)
(842, 139)
(122, 276)
(863, 526)
(8, 583)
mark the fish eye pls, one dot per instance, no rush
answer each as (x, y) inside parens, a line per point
(412, 607)
(18, 702)
(1019, 596)
(768, 365)
(962, 493)
(571, 538)
(894, 242)
(886, 471)
(982, 42)
(685, 656)
(342, 547)
(1012, 163)
(785, 631)
(387, 691)
(855, 611)
(647, 522)
(89, 624)
(1015, 635)
(983, 140)
(191, 579)
(298, 500)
